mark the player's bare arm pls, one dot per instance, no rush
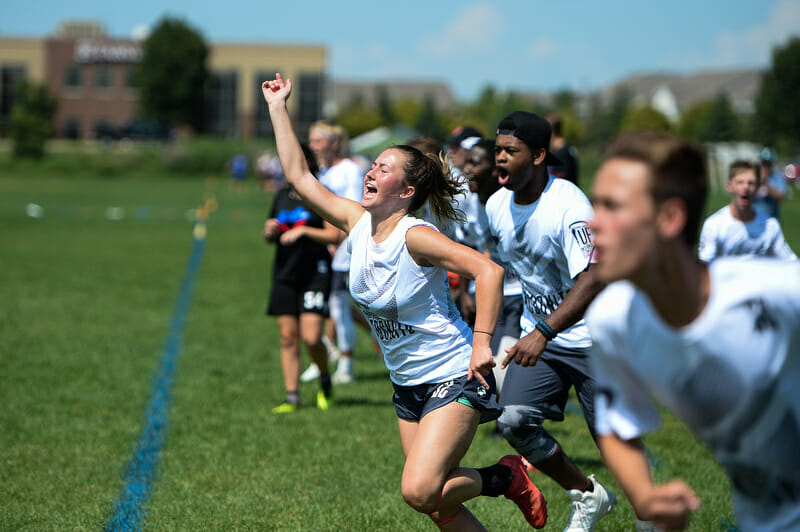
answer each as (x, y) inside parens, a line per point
(530, 347)
(340, 212)
(431, 248)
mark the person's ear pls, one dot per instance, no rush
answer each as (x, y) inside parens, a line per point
(671, 218)
(408, 192)
(539, 156)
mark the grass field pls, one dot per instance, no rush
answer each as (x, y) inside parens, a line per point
(85, 312)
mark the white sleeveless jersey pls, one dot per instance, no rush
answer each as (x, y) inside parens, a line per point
(731, 376)
(408, 306)
(548, 244)
(725, 236)
(346, 180)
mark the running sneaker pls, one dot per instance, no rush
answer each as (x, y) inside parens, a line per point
(311, 373)
(589, 506)
(342, 377)
(323, 401)
(524, 492)
(285, 408)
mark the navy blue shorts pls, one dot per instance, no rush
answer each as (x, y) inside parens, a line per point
(413, 402)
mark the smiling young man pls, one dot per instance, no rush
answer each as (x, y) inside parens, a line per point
(737, 229)
(539, 224)
(718, 344)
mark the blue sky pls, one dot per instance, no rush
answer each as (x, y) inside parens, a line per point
(516, 44)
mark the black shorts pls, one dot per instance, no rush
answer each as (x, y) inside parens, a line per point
(413, 402)
(294, 299)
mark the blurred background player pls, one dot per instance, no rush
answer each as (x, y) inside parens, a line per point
(540, 226)
(717, 344)
(773, 188)
(564, 152)
(737, 229)
(300, 286)
(479, 169)
(345, 178)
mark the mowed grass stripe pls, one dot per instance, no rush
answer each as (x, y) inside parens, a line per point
(131, 506)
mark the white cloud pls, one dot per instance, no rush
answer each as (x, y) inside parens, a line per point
(543, 48)
(754, 46)
(475, 28)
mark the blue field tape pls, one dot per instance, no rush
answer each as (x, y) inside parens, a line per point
(130, 507)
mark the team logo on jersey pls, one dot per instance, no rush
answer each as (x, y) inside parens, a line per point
(582, 236)
(481, 391)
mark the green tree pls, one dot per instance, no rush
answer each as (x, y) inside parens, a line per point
(385, 105)
(777, 116)
(644, 119)
(358, 118)
(31, 119)
(720, 122)
(605, 120)
(693, 120)
(172, 74)
(428, 121)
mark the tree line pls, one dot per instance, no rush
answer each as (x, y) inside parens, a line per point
(174, 65)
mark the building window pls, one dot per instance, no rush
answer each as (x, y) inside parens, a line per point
(10, 77)
(72, 128)
(102, 77)
(73, 76)
(309, 100)
(221, 108)
(263, 125)
(130, 77)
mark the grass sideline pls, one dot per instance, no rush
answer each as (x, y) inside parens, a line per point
(83, 317)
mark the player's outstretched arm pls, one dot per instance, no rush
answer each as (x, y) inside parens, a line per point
(667, 505)
(340, 212)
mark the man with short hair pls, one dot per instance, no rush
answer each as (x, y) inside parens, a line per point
(718, 344)
(540, 226)
(345, 178)
(737, 229)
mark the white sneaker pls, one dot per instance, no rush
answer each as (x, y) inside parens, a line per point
(589, 506)
(342, 377)
(311, 373)
(333, 351)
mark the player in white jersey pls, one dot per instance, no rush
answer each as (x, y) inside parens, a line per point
(738, 229)
(540, 225)
(718, 344)
(344, 178)
(441, 371)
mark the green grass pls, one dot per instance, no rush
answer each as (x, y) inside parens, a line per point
(85, 304)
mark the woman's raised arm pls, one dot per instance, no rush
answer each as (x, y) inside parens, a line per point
(341, 212)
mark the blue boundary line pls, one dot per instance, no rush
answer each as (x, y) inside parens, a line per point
(130, 507)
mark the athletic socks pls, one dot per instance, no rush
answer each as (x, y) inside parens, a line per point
(495, 479)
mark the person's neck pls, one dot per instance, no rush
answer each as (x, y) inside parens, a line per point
(382, 226)
(677, 284)
(532, 191)
(746, 214)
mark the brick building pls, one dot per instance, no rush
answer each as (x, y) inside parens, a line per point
(90, 74)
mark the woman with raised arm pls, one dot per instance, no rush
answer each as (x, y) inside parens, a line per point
(441, 373)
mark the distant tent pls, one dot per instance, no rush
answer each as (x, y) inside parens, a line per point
(371, 143)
